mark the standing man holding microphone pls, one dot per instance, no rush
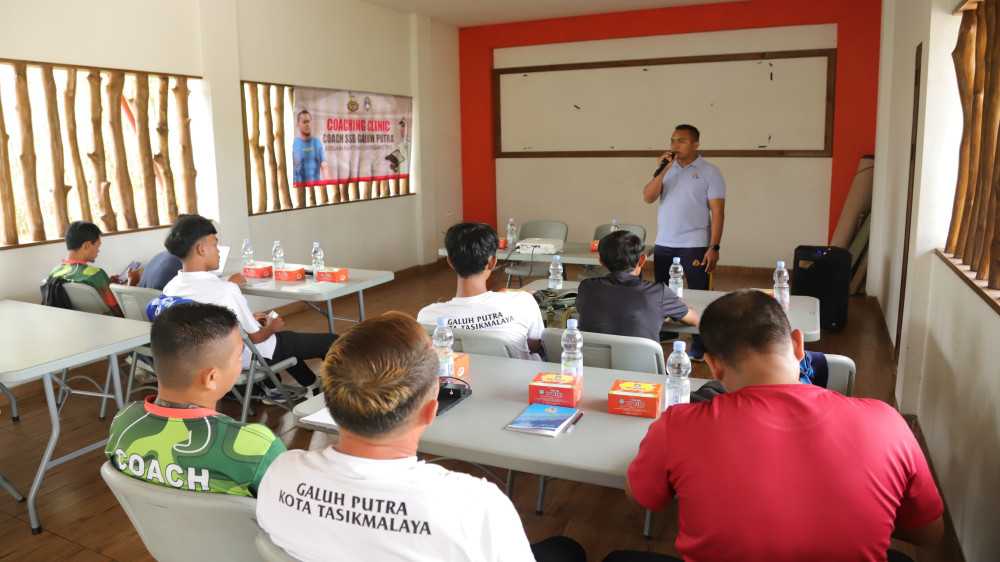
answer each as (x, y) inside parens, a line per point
(692, 201)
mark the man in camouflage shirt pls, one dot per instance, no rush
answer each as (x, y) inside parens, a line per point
(176, 438)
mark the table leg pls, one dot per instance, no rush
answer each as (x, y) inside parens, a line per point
(10, 489)
(36, 527)
(361, 305)
(329, 313)
(13, 403)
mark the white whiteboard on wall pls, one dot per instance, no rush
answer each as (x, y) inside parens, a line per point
(766, 104)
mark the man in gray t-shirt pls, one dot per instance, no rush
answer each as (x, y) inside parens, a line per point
(692, 200)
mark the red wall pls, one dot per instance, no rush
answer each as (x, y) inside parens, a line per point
(858, 26)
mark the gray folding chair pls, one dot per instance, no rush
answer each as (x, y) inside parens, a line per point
(602, 231)
(258, 371)
(181, 525)
(626, 353)
(85, 298)
(841, 375)
(133, 301)
(270, 551)
(479, 342)
(535, 229)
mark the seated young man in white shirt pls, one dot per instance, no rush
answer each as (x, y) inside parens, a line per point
(193, 239)
(472, 254)
(368, 497)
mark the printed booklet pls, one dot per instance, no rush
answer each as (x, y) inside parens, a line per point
(543, 419)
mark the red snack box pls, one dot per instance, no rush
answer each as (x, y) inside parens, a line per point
(503, 243)
(461, 364)
(555, 390)
(642, 399)
(290, 273)
(332, 274)
(257, 270)
(593, 245)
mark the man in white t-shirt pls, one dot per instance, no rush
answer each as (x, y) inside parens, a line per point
(193, 239)
(368, 497)
(472, 250)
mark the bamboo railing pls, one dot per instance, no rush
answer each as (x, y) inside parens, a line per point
(973, 234)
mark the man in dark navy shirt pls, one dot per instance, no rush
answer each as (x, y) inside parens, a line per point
(160, 270)
(622, 303)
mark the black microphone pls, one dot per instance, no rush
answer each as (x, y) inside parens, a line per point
(666, 162)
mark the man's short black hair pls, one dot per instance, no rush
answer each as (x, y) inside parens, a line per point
(620, 250)
(80, 232)
(470, 245)
(742, 323)
(695, 135)
(182, 335)
(186, 232)
(298, 116)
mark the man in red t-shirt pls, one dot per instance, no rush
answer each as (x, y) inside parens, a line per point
(778, 470)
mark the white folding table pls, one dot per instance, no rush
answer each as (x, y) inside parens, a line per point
(803, 314)
(310, 290)
(40, 340)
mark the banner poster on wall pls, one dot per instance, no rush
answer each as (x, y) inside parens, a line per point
(344, 136)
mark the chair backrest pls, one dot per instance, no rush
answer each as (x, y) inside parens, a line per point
(133, 300)
(626, 353)
(183, 525)
(270, 551)
(479, 342)
(605, 229)
(543, 229)
(85, 298)
(841, 377)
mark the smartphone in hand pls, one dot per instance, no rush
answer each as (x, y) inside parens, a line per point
(123, 278)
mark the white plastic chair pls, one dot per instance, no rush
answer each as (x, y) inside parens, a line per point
(535, 229)
(841, 375)
(183, 525)
(270, 551)
(599, 233)
(479, 342)
(625, 353)
(133, 301)
(85, 298)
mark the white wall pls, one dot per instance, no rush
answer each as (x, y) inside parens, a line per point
(352, 44)
(586, 192)
(947, 370)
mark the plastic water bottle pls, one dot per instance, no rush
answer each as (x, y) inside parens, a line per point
(678, 369)
(676, 282)
(781, 291)
(572, 344)
(555, 274)
(614, 226)
(511, 234)
(317, 255)
(443, 340)
(278, 256)
(247, 253)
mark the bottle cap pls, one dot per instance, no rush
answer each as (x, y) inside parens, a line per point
(571, 324)
(679, 346)
(442, 321)
(511, 219)
(315, 244)
(781, 265)
(677, 261)
(555, 257)
(277, 243)
(614, 221)
(246, 240)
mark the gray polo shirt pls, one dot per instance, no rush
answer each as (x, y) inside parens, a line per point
(683, 219)
(625, 305)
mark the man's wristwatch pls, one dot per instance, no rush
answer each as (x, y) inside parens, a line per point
(715, 247)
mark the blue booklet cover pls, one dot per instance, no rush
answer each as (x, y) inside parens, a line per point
(545, 420)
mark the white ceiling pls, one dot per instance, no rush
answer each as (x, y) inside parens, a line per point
(466, 13)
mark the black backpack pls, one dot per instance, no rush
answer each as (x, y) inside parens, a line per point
(54, 294)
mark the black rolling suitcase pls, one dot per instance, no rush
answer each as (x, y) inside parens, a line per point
(824, 272)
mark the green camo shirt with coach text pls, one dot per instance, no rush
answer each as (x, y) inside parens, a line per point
(195, 449)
